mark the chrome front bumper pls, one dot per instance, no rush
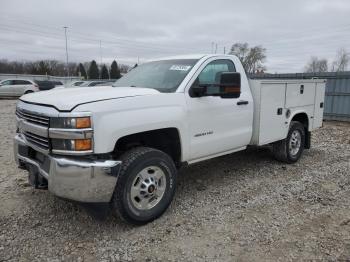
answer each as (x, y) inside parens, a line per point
(71, 178)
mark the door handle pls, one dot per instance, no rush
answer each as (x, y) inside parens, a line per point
(239, 103)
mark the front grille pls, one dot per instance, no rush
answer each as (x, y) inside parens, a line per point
(39, 141)
(33, 118)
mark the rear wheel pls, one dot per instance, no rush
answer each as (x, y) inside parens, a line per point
(145, 186)
(289, 150)
(28, 92)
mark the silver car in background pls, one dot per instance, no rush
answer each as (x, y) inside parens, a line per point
(17, 87)
(87, 84)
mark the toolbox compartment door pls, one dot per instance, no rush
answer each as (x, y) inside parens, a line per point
(272, 115)
(319, 105)
(300, 94)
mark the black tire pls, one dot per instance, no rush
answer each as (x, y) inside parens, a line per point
(28, 92)
(281, 149)
(133, 161)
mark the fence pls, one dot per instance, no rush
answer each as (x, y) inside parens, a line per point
(337, 99)
(64, 80)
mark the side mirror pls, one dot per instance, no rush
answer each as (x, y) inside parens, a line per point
(198, 90)
(230, 85)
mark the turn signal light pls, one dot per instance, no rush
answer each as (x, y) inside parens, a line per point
(83, 144)
(83, 122)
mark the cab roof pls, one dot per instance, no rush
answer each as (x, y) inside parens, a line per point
(189, 56)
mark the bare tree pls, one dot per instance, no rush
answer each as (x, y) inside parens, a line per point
(316, 65)
(252, 58)
(341, 61)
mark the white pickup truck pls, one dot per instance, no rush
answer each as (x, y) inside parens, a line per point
(123, 144)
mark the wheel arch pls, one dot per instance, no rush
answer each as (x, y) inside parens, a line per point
(167, 140)
(303, 118)
(28, 91)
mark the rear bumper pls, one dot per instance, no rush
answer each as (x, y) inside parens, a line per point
(77, 179)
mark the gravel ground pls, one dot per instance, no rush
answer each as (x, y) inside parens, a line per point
(244, 206)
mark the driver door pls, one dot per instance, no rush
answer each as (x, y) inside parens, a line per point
(217, 125)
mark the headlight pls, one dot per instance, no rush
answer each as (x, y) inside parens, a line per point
(71, 135)
(70, 122)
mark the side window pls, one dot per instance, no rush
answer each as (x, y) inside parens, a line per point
(21, 82)
(17, 82)
(7, 82)
(210, 75)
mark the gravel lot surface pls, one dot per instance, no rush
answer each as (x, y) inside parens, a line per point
(244, 206)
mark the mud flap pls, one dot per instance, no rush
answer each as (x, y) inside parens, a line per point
(307, 140)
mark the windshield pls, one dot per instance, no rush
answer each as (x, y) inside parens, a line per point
(164, 76)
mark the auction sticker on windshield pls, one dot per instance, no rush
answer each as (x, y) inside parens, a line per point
(180, 67)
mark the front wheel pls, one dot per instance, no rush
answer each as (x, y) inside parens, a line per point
(145, 186)
(289, 150)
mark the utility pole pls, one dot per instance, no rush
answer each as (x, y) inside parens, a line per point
(216, 47)
(101, 52)
(212, 47)
(224, 50)
(65, 33)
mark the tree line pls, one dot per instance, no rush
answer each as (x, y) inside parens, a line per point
(339, 64)
(87, 70)
(252, 58)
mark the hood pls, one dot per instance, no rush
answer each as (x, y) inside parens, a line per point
(67, 98)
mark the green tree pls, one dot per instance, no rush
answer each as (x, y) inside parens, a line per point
(93, 71)
(104, 72)
(115, 71)
(81, 71)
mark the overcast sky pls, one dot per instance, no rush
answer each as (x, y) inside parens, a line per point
(291, 31)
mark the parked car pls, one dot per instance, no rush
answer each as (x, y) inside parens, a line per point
(87, 84)
(107, 83)
(48, 84)
(75, 83)
(71, 84)
(123, 144)
(96, 83)
(17, 87)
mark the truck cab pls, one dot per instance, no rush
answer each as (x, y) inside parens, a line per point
(124, 144)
